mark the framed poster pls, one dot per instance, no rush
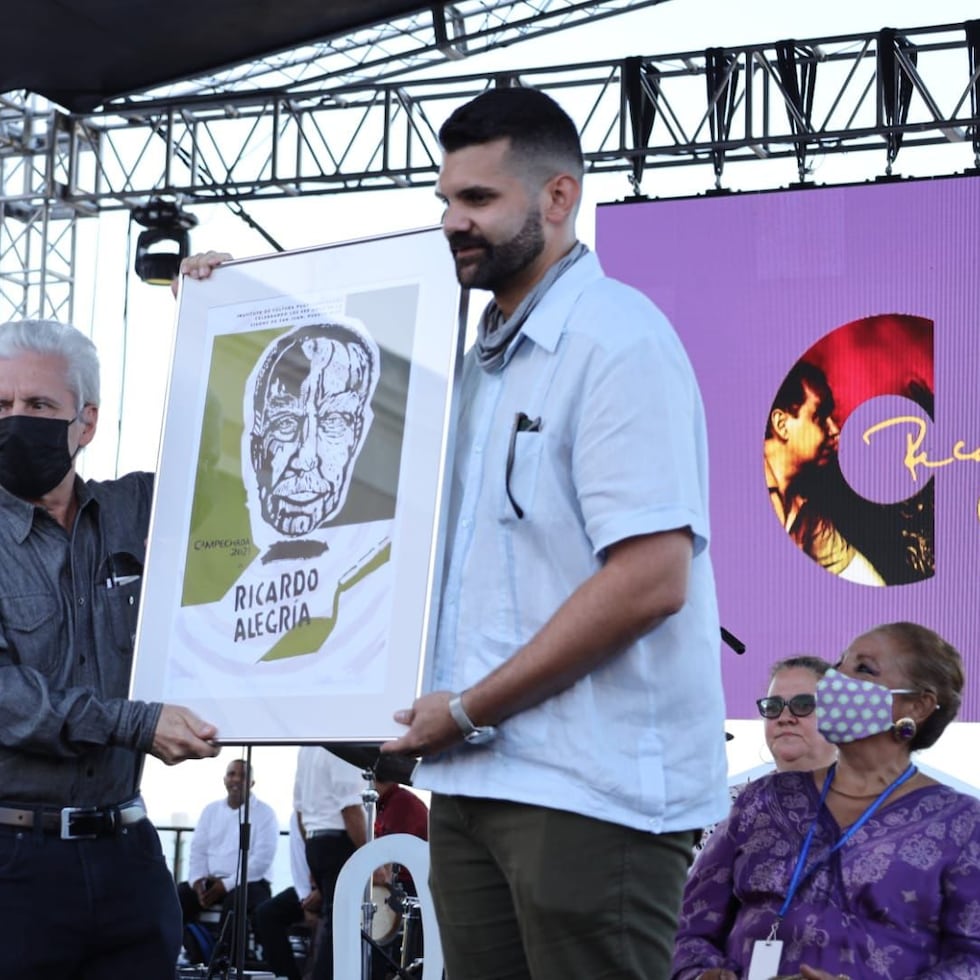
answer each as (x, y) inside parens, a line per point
(294, 550)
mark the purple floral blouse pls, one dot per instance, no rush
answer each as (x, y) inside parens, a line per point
(900, 900)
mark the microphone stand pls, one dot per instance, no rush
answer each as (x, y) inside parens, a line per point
(238, 915)
(241, 893)
(370, 799)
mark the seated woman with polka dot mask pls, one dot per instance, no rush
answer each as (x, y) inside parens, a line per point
(863, 868)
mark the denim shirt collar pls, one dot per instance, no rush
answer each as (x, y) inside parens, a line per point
(22, 512)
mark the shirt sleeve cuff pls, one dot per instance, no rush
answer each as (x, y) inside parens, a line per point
(607, 533)
(137, 724)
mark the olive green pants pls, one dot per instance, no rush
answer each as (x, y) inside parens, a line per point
(529, 893)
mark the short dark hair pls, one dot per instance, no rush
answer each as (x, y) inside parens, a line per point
(817, 665)
(542, 136)
(247, 769)
(931, 664)
(792, 392)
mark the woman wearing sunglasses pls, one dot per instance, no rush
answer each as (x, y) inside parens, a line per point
(791, 725)
(790, 716)
(864, 869)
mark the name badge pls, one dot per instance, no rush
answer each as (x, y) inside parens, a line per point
(766, 954)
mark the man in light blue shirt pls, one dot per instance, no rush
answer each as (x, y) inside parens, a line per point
(574, 736)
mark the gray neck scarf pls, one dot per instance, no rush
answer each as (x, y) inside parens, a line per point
(494, 334)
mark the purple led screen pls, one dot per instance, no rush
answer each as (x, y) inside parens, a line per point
(835, 333)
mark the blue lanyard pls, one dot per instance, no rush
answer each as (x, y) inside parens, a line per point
(798, 874)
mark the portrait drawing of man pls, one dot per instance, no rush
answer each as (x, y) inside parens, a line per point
(310, 416)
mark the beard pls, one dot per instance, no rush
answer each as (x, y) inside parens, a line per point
(501, 263)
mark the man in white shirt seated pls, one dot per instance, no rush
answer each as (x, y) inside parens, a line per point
(215, 857)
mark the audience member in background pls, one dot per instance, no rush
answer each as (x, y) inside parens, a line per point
(327, 797)
(868, 868)
(215, 856)
(297, 905)
(790, 719)
(400, 811)
(84, 887)
(790, 722)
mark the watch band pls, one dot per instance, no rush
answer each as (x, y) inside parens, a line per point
(474, 734)
(460, 716)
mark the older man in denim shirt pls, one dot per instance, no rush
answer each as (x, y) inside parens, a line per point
(84, 889)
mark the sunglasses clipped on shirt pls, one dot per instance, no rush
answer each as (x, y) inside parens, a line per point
(799, 705)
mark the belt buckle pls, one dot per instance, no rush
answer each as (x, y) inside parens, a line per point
(68, 812)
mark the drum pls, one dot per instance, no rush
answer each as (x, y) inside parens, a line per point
(387, 919)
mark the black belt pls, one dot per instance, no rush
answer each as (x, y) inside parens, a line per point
(73, 822)
(325, 833)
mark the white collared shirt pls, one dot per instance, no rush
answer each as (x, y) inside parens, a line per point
(621, 452)
(216, 842)
(324, 787)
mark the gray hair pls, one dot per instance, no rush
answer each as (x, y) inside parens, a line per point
(61, 339)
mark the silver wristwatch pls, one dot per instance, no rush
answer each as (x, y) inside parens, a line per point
(474, 734)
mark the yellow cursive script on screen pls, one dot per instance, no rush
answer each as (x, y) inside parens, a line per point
(915, 456)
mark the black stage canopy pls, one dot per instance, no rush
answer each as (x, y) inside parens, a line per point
(82, 53)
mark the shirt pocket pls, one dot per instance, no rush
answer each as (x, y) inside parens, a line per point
(118, 608)
(32, 630)
(521, 478)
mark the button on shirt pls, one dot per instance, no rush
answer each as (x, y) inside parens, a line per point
(67, 731)
(621, 451)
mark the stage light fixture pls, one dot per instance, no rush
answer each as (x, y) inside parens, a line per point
(166, 240)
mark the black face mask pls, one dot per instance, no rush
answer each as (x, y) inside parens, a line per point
(34, 455)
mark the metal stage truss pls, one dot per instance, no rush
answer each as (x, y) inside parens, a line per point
(322, 133)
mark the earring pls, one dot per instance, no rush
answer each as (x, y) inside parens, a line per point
(904, 729)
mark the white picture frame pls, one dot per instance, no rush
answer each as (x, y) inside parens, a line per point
(295, 545)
